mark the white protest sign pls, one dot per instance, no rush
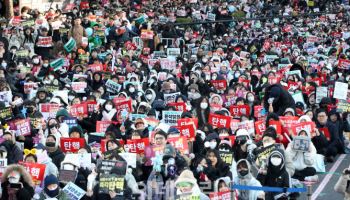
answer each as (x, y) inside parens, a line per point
(130, 158)
(270, 58)
(211, 16)
(6, 97)
(297, 72)
(298, 97)
(340, 90)
(73, 191)
(112, 86)
(170, 98)
(320, 93)
(171, 117)
(79, 87)
(61, 93)
(173, 52)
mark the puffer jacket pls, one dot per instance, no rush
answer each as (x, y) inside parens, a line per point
(342, 186)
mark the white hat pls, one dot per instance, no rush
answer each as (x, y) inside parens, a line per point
(242, 132)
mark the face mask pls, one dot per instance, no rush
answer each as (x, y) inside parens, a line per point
(212, 145)
(204, 105)
(36, 61)
(45, 65)
(51, 77)
(52, 193)
(70, 97)
(50, 144)
(149, 96)
(132, 90)
(242, 173)
(276, 161)
(251, 99)
(214, 77)
(109, 107)
(4, 65)
(30, 110)
(14, 177)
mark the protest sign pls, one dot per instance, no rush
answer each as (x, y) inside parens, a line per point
(167, 63)
(137, 145)
(21, 126)
(101, 126)
(72, 144)
(219, 84)
(70, 45)
(181, 106)
(6, 113)
(36, 170)
(112, 86)
(6, 97)
(308, 126)
(29, 86)
(66, 176)
(92, 106)
(79, 87)
(79, 110)
(220, 195)
(106, 165)
(57, 64)
(260, 127)
(227, 157)
(301, 143)
(321, 92)
(211, 16)
(219, 120)
(343, 107)
(97, 68)
(288, 121)
(263, 153)
(187, 197)
(44, 41)
(270, 58)
(173, 52)
(111, 182)
(73, 191)
(344, 64)
(130, 159)
(179, 143)
(186, 121)
(238, 110)
(123, 105)
(170, 98)
(276, 125)
(51, 88)
(187, 131)
(171, 117)
(259, 112)
(298, 97)
(22, 53)
(147, 34)
(48, 110)
(247, 125)
(340, 90)
(133, 117)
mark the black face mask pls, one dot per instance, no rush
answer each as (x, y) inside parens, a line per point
(243, 172)
(30, 110)
(52, 193)
(50, 144)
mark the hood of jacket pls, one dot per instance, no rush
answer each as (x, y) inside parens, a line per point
(25, 176)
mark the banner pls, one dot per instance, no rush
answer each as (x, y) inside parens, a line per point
(111, 182)
(71, 144)
(179, 143)
(112, 86)
(6, 113)
(79, 87)
(238, 111)
(73, 191)
(219, 84)
(101, 126)
(36, 170)
(219, 120)
(44, 41)
(181, 106)
(70, 45)
(57, 64)
(21, 126)
(79, 110)
(171, 117)
(187, 131)
(308, 126)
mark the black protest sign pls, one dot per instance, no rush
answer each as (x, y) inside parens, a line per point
(227, 157)
(66, 176)
(111, 182)
(6, 113)
(106, 166)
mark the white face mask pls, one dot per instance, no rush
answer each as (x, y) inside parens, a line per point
(149, 96)
(109, 107)
(51, 77)
(70, 97)
(204, 105)
(132, 89)
(4, 65)
(14, 177)
(45, 65)
(212, 144)
(251, 99)
(276, 161)
(36, 60)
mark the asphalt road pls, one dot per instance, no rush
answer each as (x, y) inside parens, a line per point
(323, 190)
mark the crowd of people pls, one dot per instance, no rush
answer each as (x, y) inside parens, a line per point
(173, 99)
